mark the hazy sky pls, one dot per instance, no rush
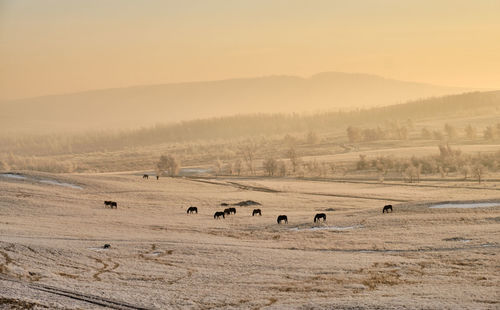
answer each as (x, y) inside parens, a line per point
(49, 47)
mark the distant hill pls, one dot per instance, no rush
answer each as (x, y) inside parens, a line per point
(148, 105)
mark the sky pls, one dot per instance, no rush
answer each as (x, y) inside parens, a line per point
(60, 46)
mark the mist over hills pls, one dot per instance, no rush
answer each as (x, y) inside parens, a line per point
(478, 109)
(147, 105)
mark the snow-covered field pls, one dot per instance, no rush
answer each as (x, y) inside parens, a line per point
(52, 237)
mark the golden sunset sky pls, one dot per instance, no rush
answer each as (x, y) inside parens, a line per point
(50, 47)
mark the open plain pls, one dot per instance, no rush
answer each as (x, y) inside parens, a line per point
(53, 228)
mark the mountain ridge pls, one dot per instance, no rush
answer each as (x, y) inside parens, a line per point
(141, 105)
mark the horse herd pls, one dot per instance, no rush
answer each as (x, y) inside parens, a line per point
(228, 211)
(281, 218)
(111, 204)
(231, 210)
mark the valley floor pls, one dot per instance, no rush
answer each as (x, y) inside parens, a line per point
(52, 236)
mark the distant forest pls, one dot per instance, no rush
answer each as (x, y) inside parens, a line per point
(240, 126)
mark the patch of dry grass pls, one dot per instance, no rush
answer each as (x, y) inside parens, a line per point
(165, 258)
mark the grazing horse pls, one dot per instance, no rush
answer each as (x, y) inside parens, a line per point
(192, 210)
(283, 218)
(106, 246)
(256, 211)
(145, 176)
(319, 216)
(386, 209)
(230, 211)
(218, 214)
(113, 205)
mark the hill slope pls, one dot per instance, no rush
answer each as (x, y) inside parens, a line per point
(147, 105)
(474, 107)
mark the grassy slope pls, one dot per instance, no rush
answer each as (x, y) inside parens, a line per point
(160, 257)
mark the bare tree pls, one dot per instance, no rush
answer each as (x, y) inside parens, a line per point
(289, 140)
(419, 172)
(411, 173)
(281, 168)
(312, 137)
(218, 166)
(270, 166)
(362, 163)
(237, 166)
(333, 167)
(229, 168)
(248, 153)
(470, 132)
(478, 172)
(466, 171)
(168, 164)
(354, 134)
(294, 158)
(403, 133)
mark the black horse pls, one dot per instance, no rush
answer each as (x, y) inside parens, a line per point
(256, 211)
(230, 211)
(192, 210)
(145, 176)
(106, 246)
(218, 214)
(113, 205)
(283, 218)
(386, 209)
(319, 216)
(107, 202)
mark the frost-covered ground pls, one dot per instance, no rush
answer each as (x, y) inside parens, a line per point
(52, 237)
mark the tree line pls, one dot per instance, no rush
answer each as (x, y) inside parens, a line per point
(239, 126)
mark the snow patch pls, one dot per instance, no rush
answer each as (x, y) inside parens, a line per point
(13, 176)
(45, 181)
(465, 205)
(61, 184)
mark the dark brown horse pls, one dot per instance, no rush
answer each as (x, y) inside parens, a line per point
(145, 176)
(192, 210)
(230, 211)
(319, 216)
(218, 214)
(386, 209)
(282, 218)
(256, 211)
